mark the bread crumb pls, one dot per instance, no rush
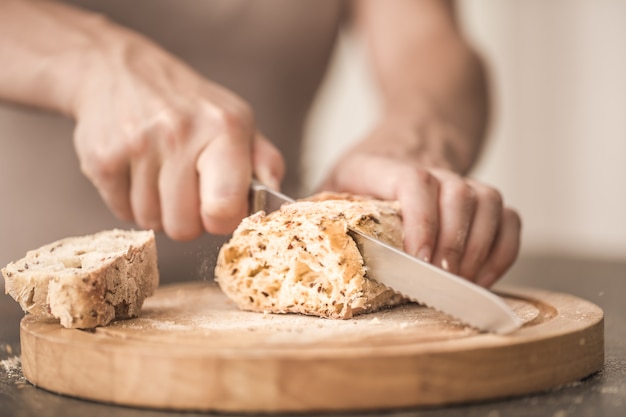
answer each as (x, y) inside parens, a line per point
(12, 366)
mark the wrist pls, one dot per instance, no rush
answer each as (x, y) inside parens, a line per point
(104, 50)
(420, 134)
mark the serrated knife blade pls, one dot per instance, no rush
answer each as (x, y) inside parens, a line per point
(417, 280)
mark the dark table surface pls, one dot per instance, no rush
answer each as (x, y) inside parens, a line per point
(602, 394)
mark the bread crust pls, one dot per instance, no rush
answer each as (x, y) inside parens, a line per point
(301, 259)
(86, 281)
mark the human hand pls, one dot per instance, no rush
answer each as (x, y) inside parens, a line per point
(454, 222)
(165, 147)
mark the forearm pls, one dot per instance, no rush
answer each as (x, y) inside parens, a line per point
(45, 50)
(435, 110)
(429, 77)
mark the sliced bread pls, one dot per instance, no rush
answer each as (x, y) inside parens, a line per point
(301, 259)
(86, 281)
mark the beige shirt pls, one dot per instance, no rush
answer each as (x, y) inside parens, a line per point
(273, 53)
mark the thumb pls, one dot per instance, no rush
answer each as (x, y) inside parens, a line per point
(224, 171)
(267, 162)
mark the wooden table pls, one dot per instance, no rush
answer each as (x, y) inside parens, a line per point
(604, 394)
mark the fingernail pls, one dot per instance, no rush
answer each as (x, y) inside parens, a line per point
(266, 177)
(445, 265)
(273, 183)
(424, 254)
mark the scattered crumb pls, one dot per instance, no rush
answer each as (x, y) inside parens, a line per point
(610, 390)
(11, 366)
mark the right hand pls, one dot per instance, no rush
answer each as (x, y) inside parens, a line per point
(166, 148)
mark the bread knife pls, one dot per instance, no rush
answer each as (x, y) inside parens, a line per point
(415, 279)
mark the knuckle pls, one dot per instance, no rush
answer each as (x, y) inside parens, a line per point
(408, 177)
(102, 163)
(137, 143)
(422, 176)
(234, 119)
(172, 125)
(243, 111)
(459, 193)
(490, 194)
(460, 189)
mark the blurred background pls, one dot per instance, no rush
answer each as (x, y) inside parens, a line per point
(556, 147)
(557, 141)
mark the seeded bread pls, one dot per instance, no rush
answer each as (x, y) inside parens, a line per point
(300, 259)
(86, 281)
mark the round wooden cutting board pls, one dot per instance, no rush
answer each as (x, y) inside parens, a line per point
(193, 349)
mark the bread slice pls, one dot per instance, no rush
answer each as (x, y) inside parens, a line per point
(86, 281)
(300, 259)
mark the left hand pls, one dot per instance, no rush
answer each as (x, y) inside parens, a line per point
(454, 222)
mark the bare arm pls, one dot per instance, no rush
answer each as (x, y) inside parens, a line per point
(430, 133)
(45, 50)
(426, 71)
(153, 136)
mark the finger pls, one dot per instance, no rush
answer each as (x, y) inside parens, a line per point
(180, 202)
(144, 190)
(150, 141)
(268, 164)
(114, 188)
(416, 190)
(224, 169)
(418, 198)
(457, 205)
(484, 229)
(505, 249)
(108, 170)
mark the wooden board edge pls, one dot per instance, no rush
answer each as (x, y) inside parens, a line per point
(393, 379)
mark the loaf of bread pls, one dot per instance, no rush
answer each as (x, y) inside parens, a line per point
(86, 281)
(301, 259)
